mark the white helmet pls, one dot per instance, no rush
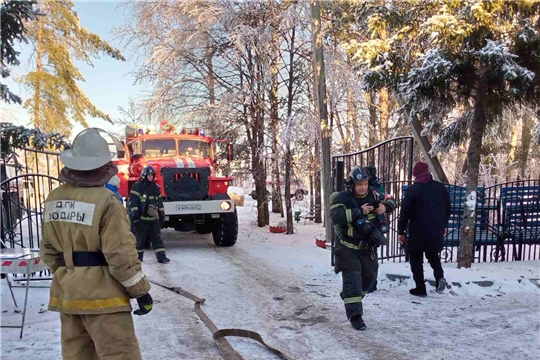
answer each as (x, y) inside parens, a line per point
(90, 151)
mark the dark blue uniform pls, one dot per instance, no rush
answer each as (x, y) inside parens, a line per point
(355, 254)
(145, 194)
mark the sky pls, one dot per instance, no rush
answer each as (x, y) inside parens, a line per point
(108, 84)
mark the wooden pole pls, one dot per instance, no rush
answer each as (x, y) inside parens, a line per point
(320, 85)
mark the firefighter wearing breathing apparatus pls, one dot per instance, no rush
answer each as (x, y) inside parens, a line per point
(358, 218)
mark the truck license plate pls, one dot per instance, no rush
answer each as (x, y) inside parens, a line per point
(215, 216)
(188, 207)
(166, 218)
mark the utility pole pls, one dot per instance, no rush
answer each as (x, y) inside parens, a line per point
(320, 86)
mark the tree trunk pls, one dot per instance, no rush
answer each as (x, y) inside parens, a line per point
(317, 178)
(526, 138)
(210, 77)
(350, 106)
(356, 128)
(384, 105)
(326, 131)
(311, 187)
(513, 143)
(266, 208)
(373, 137)
(256, 129)
(468, 226)
(274, 124)
(316, 155)
(288, 155)
(259, 176)
(38, 73)
(340, 129)
(288, 205)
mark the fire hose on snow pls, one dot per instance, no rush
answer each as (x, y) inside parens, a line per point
(219, 336)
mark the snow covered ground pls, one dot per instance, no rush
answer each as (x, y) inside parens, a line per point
(283, 287)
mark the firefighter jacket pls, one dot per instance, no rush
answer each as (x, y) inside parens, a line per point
(90, 220)
(144, 196)
(345, 210)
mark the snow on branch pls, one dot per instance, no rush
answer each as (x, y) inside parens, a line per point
(14, 137)
(502, 60)
(430, 70)
(452, 134)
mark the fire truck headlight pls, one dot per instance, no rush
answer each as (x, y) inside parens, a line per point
(225, 206)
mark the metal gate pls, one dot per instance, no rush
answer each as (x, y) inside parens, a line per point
(394, 161)
(25, 184)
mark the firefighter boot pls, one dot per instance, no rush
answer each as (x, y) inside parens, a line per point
(419, 291)
(358, 323)
(164, 260)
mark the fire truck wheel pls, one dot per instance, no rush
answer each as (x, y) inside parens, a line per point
(226, 230)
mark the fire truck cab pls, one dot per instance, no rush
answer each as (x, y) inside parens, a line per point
(185, 163)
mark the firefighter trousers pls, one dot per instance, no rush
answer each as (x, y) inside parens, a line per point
(358, 281)
(149, 231)
(99, 337)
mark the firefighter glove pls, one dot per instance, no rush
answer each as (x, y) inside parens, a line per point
(145, 304)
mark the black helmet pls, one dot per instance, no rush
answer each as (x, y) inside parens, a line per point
(357, 174)
(149, 170)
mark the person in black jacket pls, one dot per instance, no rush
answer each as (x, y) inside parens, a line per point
(355, 214)
(146, 205)
(425, 211)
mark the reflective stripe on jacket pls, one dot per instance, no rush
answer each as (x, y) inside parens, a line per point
(141, 196)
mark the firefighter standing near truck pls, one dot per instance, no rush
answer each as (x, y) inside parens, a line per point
(88, 245)
(355, 214)
(146, 205)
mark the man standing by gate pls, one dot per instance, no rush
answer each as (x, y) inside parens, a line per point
(355, 215)
(425, 211)
(90, 249)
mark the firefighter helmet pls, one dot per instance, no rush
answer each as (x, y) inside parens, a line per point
(149, 170)
(357, 174)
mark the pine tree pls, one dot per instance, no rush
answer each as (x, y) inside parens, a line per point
(14, 137)
(458, 66)
(14, 16)
(59, 40)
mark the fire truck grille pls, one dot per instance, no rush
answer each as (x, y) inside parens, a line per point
(186, 184)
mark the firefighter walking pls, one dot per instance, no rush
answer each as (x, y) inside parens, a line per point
(356, 216)
(146, 205)
(88, 245)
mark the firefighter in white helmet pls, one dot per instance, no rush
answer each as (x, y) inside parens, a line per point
(88, 245)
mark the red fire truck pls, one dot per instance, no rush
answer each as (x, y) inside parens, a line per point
(185, 163)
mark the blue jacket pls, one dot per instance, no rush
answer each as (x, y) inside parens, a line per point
(114, 189)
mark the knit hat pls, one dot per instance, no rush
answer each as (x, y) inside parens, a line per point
(114, 181)
(420, 168)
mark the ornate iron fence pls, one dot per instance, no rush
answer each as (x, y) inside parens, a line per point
(507, 214)
(25, 184)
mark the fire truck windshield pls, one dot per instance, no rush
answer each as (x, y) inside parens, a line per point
(194, 148)
(168, 148)
(158, 148)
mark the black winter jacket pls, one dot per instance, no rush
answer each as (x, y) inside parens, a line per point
(345, 210)
(425, 210)
(142, 194)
